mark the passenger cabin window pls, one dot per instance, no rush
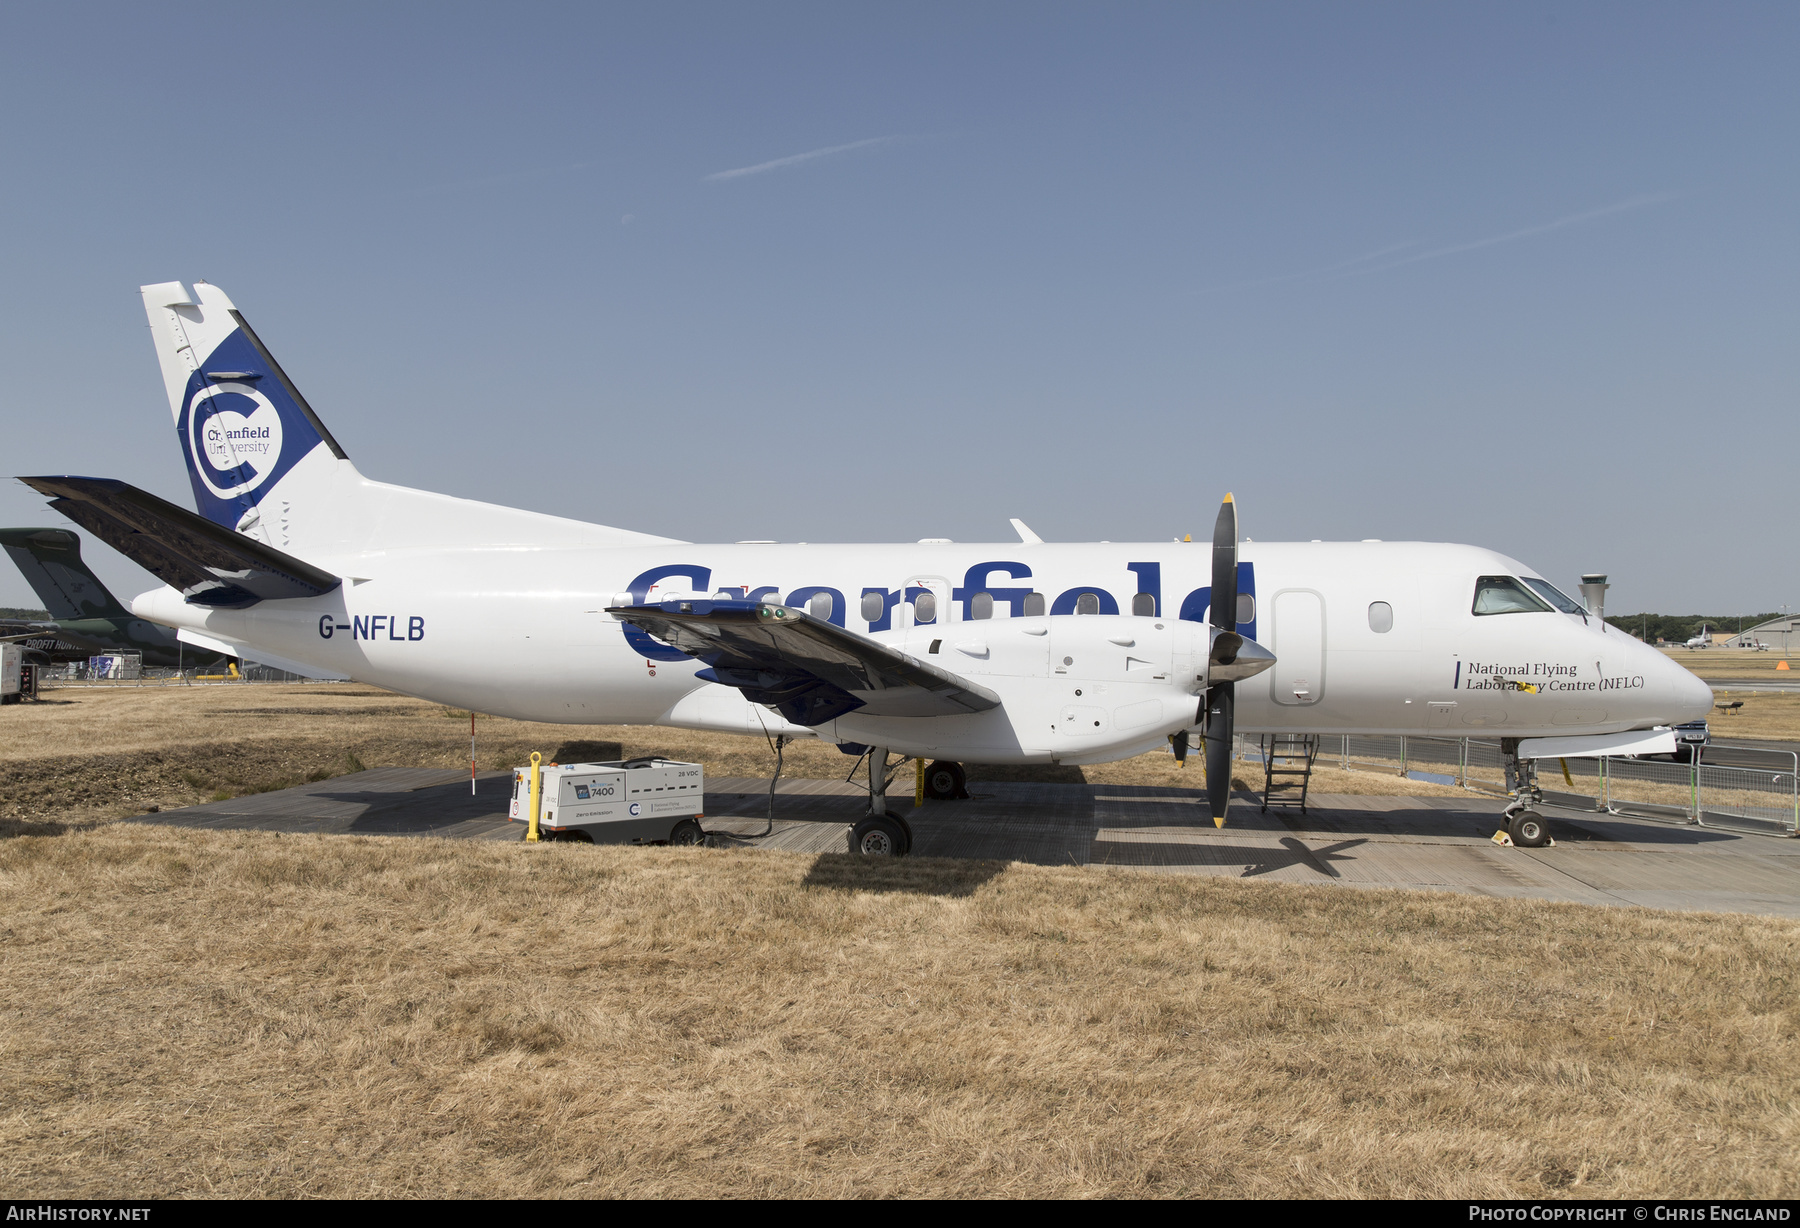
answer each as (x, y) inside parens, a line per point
(925, 608)
(1555, 596)
(1087, 603)
(1144, 605)
(820, 606)
(981, 605)
(1505, 595)
(1246, 611)
(1035, 605)
(872, 607)
(1381, 617)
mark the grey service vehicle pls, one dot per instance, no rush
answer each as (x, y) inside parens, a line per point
(625, 801)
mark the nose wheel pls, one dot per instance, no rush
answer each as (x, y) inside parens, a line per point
(1528, 829)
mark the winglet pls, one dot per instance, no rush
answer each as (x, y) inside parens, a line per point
(1026, 536)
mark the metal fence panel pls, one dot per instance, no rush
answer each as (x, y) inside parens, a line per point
(1759, 799)
(1765, 799)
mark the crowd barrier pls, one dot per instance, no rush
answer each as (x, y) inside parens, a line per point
(1764, 799)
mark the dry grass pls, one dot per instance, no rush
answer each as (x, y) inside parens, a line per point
(1737, 662)
(244, 1014)
(1765, 716)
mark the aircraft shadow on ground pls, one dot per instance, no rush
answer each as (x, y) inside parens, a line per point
(1256, 859)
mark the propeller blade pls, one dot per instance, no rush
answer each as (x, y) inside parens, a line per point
(1224, 567)
(1221, 696)
(1219, 702)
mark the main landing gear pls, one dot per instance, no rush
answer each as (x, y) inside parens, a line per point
(881, 834)
(945, 781)
(1524, 825)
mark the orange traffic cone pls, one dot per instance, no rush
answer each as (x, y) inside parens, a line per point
(1781, 665)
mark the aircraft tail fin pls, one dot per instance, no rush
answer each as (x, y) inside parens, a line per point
(263, 464)
(243, 425)
(50, 560)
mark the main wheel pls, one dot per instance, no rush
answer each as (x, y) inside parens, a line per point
(906, 831)
(1528, 830)
(944, 781)
(687, 834)
(879, 836)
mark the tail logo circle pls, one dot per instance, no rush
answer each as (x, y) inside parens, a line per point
(234, 438)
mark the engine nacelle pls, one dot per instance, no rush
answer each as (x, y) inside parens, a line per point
(1077, 688)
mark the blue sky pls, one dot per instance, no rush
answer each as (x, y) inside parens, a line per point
(1521, 275)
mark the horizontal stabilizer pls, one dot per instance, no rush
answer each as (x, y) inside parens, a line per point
(808, 669)
(210, 564)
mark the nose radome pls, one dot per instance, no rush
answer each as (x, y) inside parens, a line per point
(1690, 699)
(1695, 697)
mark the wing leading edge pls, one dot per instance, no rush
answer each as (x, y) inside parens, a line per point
(810, 670)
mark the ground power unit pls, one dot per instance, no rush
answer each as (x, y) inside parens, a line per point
(631, 801)
(12, 672)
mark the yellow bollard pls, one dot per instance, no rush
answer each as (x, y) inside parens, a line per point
(537, 788)
(918, 782)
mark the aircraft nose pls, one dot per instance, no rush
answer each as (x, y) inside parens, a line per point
(1694, 696)
(1689, 698)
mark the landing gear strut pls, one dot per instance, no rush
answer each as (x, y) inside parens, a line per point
(880, 834)
(1525, 825)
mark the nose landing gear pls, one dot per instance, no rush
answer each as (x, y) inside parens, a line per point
(1524, 825)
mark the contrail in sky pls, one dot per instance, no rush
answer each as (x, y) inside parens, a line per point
(796, 159)
(1361, 266)
(1574, 219)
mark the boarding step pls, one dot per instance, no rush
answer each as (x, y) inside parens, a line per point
(1287, 768)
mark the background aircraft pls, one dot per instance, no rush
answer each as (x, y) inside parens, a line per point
(85, 619)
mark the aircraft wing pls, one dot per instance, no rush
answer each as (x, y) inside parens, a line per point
(808, 669)
(209, 563)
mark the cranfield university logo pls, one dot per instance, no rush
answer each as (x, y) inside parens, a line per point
(234, 436)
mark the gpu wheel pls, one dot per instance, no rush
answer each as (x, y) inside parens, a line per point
(687, 834)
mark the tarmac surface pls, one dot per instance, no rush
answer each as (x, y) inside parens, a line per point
(1345, 840)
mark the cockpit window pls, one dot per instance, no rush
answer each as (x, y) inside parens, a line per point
(1505, 595)
(1555, 596)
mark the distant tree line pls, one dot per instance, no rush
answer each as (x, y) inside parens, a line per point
(7, 611)
(1680, 627)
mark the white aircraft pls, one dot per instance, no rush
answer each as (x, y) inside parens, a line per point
(1022, 652)
(1702, 640)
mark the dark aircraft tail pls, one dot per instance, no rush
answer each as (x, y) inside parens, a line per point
(50, 560)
